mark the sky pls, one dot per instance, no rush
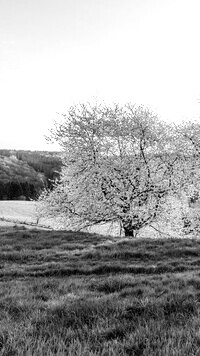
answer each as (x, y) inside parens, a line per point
(55, 53)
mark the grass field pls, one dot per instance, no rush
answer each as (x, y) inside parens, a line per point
(25, 213)
(66, 293)
(18, 211)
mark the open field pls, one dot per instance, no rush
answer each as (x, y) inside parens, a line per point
(66, 293)
(18, 211)
(25, 213)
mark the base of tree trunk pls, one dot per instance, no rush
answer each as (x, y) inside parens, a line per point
(130, 232)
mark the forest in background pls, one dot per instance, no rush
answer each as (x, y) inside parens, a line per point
(23, 174)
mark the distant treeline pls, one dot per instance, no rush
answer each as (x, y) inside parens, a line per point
(23, 174)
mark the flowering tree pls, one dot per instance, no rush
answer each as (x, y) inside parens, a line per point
(188, 146)
(117, 166)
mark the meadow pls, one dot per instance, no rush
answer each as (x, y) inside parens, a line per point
(18, 211)
(70, 293)
(25, 213)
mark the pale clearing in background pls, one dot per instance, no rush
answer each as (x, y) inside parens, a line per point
(19, 212)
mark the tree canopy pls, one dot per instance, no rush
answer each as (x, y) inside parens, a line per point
(118, 164)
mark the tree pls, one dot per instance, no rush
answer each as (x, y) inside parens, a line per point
(116, 167)
(15, 190)
(188, 146)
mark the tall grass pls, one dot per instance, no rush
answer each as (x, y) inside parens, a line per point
(66, 293)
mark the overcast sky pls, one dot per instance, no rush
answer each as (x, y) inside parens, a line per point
(54, 53)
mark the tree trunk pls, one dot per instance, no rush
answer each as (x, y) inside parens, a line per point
(129, 229)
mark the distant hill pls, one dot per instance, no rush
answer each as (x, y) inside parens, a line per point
(23, 174)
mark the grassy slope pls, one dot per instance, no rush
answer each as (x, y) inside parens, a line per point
(25, 211)
(13, 212)
(64, 293)
(18, 210)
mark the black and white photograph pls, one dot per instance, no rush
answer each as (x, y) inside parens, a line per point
(99, 178)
